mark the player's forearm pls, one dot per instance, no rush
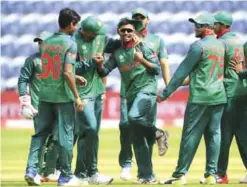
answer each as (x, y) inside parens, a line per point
(179, 76)
(165, 71)
(243, 74)
(111, 45)
(102, 71)
(104, 80)
(175, 82)
(70, 79)
(83, 66)
(24, 78)
(22, 86)
(151, 67)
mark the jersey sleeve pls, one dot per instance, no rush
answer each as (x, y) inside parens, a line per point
(183, 70)
(111, 45)
(243, 74)
(245, 53)
(71, 54)
(25, 76)
(82, 66)
(108, 66)
(152, 57)
(162, 50)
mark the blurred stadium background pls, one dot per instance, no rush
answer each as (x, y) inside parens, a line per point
(21, 21)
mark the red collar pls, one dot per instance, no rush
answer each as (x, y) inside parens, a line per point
(144, 32)
(128, 45)
(207, 33)
(223, 31)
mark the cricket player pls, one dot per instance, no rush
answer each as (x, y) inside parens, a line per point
(56, 98)
(139, 67)
(239, 65)
(29, 104)
(91, 41)
(236, 90)
(157, 45)
(204, 64)
(241, 70)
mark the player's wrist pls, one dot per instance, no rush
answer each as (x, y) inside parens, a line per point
(25, 100)
(77, 98)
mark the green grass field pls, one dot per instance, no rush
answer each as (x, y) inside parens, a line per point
(15, 144)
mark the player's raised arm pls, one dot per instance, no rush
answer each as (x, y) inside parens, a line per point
(148, 58)
(82, 66)
(107, 67)
(111, 44)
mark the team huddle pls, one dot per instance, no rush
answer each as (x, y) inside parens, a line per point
(67, 80)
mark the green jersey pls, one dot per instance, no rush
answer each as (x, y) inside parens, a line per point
(55, 52)
(157, 45)
(243, 73)
(135, 77)
(86, 67)
(245, 52)
(234, 85)
(29, 76)
(204, 64)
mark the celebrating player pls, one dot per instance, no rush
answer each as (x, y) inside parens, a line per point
(92, 41)
(204, 64)
(139, 68)
(56, 97)
(236, 90)
(158, 46)
(29, 76)
(238, 65)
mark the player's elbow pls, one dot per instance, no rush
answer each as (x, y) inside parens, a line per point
(67, 74)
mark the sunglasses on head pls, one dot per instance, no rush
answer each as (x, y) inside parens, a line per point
(198, 26)
(126, 30)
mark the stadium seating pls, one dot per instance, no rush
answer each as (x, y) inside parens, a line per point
(23, 20)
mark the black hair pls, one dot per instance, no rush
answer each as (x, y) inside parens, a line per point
(68, 16)
(125, 21)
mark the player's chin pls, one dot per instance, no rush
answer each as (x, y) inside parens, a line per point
(127, 38)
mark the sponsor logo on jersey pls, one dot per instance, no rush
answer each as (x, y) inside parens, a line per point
(129, 67)
(121, 59)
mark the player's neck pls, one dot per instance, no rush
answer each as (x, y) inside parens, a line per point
(223, 31)
(64, 31)
(208, 32)
(128, 45)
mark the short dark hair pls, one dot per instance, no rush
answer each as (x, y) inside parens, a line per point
(125, 21)
(68, 16)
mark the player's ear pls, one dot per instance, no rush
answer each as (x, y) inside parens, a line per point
(148, 19)
(118, 31)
